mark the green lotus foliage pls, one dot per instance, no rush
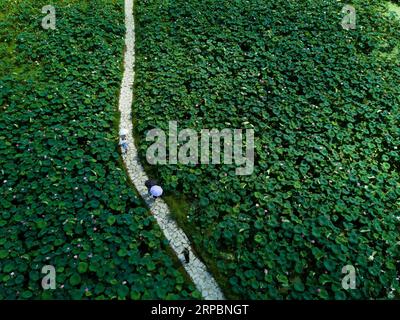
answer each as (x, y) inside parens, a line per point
(64, 198)
(324, 104)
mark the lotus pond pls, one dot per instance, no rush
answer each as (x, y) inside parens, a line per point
(64, 196)
(324, 104)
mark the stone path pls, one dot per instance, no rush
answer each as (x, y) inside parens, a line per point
(178, 240)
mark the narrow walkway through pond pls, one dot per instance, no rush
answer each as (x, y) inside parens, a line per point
(178, 240)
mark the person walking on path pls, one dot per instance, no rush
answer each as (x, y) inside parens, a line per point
(124, 146)
(123, 141)
(186, 255)
(154, 189)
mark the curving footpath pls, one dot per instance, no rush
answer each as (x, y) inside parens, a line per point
(178, 240)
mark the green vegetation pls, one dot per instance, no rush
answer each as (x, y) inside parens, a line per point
(394, 8)
(324, 104)
(64, 197)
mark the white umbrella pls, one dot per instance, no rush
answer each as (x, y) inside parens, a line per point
(156, 191)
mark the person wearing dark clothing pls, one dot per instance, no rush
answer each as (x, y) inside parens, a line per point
(150, 183)
(186, 255)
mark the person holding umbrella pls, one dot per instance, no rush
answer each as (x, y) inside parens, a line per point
(154, 189)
